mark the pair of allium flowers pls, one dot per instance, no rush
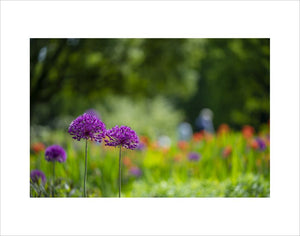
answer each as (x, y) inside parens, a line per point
(89, 127)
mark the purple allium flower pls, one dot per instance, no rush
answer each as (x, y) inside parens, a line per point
(194, 156)
(122, 136)
(55, 153)
(135, 171)
(87, 126)
(35, 175)
(261, 144)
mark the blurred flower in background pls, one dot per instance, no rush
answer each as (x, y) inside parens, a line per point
(135, 171)
(38, 147)
(127, 161)
(261, 144)
(37, 175)
(223, 129)
(194, 156)
(55, 153)
(248, 131)
(198, 136)
(227, 151)
(183, 145)
(141, 146)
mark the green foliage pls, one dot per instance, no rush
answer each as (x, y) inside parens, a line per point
(77, 74)
(234, 82)
(229, 76)
(246, 186)
(152, 117)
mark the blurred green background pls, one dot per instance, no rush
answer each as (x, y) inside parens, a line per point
(152, 85)
(125, 80)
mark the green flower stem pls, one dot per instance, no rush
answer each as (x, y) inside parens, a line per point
(38, 163)
(53, 179)
(120, 173)
(85, 171)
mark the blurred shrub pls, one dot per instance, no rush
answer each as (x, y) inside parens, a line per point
(151, 117)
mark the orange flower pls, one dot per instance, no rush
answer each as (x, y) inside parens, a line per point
(183, 145)
(198, 136)
(127, 162)
(227, 151)
(154, 145)
(165, 150)
(248, 131)
(208, 136)
(178, 157)
(144, 140)
(254, 144)
(223, 129)
(258, 162)
(38, 147)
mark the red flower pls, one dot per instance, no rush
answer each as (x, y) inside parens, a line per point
(198, 136)
(248, 131)
(127, 162)
(223, 129)
(38, 147)
(227, 151)
(254, 144)
(183, 145)
(178, 157)
(208, 136)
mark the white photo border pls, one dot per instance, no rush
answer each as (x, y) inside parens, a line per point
(277, 20)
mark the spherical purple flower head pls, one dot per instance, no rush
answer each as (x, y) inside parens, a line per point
(87, 126)
(35, 175)
(194, 156)
(55, 153)
(122, 136)
(261, 144)
(135, 171)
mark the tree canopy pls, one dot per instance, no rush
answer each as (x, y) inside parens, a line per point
(230, 76)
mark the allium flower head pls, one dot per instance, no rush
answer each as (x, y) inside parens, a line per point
(122, 136)
(87, 126)
(55, 153)
(194, 156)
(35, 175)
